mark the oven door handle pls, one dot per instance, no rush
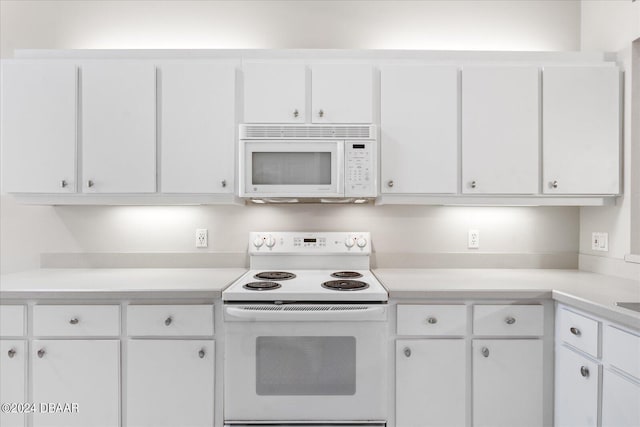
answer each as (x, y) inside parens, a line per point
(289, 313)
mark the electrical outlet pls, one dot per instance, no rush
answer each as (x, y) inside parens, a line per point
(201, 238)
(600, 241)
(474, 239)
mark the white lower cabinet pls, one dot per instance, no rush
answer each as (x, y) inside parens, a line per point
(620, 401)
(12, 384)
(507, 382)
(430, 383)
(170, 383)
(82, 372)
(576, 386)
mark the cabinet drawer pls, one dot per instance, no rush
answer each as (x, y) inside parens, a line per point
(76, 320)
(622, 350)
(432, 319)
(521, 320)
(170, 320)
(578, 331)
(12, 320)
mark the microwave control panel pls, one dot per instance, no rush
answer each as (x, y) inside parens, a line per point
(359, 169)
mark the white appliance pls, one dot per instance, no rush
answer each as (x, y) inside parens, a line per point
(305, 333)
(308, 162)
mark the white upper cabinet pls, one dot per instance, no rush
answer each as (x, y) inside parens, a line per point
(500, 130)
(197, 122)
(39, 127)
(342, 93)
(581, 130)
(118, 127)
(419, 129)
(274, 92)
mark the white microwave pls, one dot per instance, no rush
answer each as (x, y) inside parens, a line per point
(302, 162)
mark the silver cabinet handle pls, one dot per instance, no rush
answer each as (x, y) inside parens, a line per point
(510, 320)
(74, 321)
(584, 371)
(11, 353)
(90, 183)
(473, 184)
(296, 113)
(321, 113)
(63, 183)
(224, 183)
(390, 183)
(168, 321)
(553, 184)
(432, 320)
(407, 352)
(41, 353)
(575, 331)
(201, 353)
(485, 351)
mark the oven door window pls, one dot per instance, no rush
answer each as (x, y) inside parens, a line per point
(291, 168)
(305, 366)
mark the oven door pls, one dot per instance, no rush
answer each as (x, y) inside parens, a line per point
(292, 168)
(305, 363)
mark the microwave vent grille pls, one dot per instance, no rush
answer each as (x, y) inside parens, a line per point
(303, 308)
(307, 132)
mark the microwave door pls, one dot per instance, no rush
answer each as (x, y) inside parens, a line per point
(293, 169)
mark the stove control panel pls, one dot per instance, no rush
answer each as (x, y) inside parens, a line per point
(315, 243)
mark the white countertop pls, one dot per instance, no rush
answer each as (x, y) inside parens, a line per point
(592, 292)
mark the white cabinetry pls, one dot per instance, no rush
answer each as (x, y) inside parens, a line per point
(576, 389)
(197, 122)
(581, 130)
(507, 383)
(39, 127)
(342, 93)
(118, 120)
(430, 383)
(86, 372)
(500, 130)
(419, 129)
(620, 400)
(170, 383)
(13, 363)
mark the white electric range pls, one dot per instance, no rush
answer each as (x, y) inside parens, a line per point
(305, 333)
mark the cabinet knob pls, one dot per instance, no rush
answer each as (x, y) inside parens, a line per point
(74, 321)
(407, 352)
(90, 183)
(553, 184)
(296, 113)
(473, 184)
(168, 321)
(41, 353)
(485, 351)
(432, 320)
(223, 183)
(11, 353)
(202, 353)
(575, 331)
(321, 113)
(390, 183)
(510, 320)
(64, 183)
(584, 371)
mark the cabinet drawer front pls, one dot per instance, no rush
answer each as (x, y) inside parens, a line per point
(521, 320)
(170, 320)
(432, 319)
(578, 331)
(622, 350)
(76, 320)
(12, 320)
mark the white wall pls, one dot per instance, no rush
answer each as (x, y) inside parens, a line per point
(27, 231)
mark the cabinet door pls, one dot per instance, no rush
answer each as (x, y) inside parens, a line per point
(197, 121)
(620, 401)
(39, 127)
(86, 372)
(274, 93)
(342, 93)
(430, 383)
(576, 390)
(12, 380)
(419, 129)
(500, 130)
(118, 127)
(165, 375)
(581, 130)
(507, 383)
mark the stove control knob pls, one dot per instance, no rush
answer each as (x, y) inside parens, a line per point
(269, 241)
(362, 242)
(258, 242)
(349, 242)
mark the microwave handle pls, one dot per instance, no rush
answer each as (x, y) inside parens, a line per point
(268, 314)
(341, 166)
